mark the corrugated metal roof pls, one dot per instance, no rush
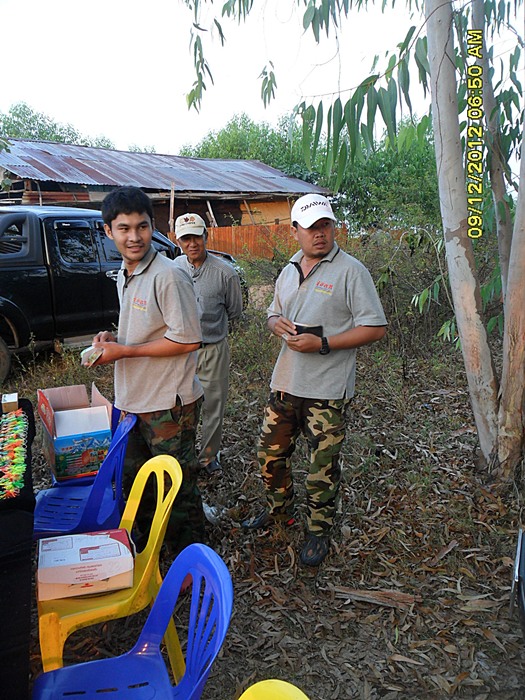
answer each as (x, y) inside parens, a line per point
(82, 165)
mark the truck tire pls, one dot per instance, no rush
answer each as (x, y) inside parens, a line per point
(5, 361)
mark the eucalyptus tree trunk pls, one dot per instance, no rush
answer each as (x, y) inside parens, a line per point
(479, 366)
(496, 163)
(511, 412)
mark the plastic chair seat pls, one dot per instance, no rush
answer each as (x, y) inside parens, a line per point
(86, 506)
(60, 510)
(141, 673)
(146, 678)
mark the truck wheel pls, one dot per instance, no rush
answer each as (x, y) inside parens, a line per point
(5, 361)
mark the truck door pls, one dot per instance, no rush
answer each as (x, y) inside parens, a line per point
(111, 261)
(76, 276)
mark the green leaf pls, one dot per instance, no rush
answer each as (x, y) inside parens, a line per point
(318, 128)
(352, 126)
(387, 108)
(406, 41)
(422, 53)
(308, 15)
(308, 116)
(391, 65)
(368, 141)
(329, 160)
(341, 166)
(337, 124)
(372, 101)
(404, 82)
(315, 26)
(221, 33)
(421, 59)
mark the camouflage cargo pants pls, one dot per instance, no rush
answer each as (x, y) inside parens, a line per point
(322, 422)
(169, 432)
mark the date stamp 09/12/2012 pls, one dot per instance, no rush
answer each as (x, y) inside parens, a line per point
(475, 140)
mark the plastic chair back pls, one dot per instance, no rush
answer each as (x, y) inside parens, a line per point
(87, 507)
(59, 618)
(273, 689)
(142, 673)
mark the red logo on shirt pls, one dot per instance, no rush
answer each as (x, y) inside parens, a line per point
(139, 304)
(324, 287)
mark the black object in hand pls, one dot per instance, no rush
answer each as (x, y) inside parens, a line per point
(314, 330)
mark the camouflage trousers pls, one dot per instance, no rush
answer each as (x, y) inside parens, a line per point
(322, 422)
(169, 432)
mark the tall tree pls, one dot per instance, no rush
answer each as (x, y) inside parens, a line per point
(391, 188)
(23, 122)
(464, 132)
(279, 147)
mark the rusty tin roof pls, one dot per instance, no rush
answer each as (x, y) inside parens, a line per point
(82, 165)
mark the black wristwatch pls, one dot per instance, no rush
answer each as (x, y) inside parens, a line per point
(325, 348)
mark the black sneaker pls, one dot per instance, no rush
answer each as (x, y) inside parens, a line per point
(265, 519)
(314, 549)
(213, 466)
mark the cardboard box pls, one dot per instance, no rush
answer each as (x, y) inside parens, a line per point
(9, 402)
(77, 432)
(83, 564)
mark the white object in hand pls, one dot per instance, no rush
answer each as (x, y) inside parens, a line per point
(90, 355)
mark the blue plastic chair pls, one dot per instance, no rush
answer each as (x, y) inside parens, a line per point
(87, 507)
(142, 673)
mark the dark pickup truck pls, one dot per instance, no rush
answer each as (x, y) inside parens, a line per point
(57, 276)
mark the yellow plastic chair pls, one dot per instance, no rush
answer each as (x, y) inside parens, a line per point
(57, 619)
(273, 689)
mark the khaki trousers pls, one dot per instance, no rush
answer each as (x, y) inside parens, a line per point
(213, 367)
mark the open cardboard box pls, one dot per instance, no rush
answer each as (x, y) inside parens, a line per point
(83, 564)
(77, 432)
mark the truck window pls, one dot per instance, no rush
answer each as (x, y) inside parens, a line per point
(12, 238)
(109, 248)
(75, 244)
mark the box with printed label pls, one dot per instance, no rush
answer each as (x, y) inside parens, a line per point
(77, 432)
(76, 565)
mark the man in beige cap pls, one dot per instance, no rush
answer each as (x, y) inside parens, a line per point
(218, 291)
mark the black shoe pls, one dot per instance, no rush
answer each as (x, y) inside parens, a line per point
(213, 466)
(314, 550)
(266, 519)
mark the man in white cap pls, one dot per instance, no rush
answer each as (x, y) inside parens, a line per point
(218, 290)
(325, 306)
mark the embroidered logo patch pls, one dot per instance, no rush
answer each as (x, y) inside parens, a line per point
(324, 287)
(139, 304)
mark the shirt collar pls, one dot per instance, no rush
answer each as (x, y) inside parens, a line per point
(144, 263)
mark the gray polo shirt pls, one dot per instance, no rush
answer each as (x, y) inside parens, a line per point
(338, 294)
(157, 301)
(218, 292)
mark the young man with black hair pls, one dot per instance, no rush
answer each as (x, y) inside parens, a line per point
(155, 356)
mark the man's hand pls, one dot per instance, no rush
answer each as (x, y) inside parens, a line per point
(104, 337)
(285, 329)
(305, 342)
(281, 326)
(112, 351)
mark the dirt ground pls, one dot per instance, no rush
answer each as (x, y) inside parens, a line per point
(413, 599)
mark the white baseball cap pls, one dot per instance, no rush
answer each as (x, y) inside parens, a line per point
(189, 225)
(310, 208)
